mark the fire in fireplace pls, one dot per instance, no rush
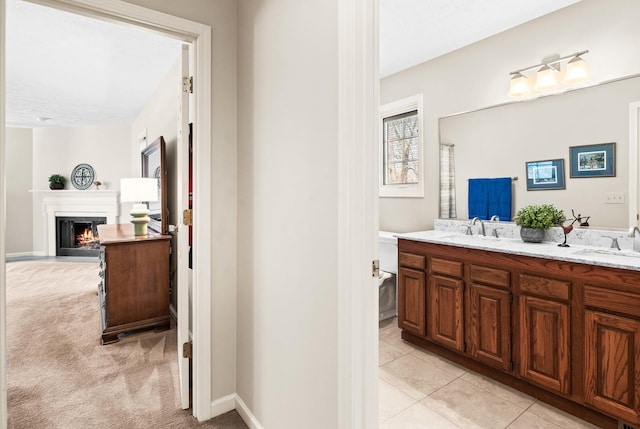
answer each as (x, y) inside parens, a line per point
(78, 236)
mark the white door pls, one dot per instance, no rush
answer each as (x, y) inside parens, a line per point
(182, 237)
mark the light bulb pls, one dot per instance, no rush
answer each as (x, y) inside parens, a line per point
(519, 86)
(577, 71)
(546, 79)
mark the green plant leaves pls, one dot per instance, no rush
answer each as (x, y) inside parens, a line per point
(539, 216)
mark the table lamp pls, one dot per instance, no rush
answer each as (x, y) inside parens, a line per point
(139, 190)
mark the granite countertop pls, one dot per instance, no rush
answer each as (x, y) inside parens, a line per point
(593, 255)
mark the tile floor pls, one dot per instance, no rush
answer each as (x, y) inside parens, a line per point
(418, 389)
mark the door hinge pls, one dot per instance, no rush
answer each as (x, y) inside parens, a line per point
(187, 350)
(510, 365)
(187, 217)
(375, 268)
(464, 347)
(187, 84)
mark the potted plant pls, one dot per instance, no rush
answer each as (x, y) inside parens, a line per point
(56, 181)
(535, 219)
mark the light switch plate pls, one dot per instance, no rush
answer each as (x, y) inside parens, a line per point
(614, 198)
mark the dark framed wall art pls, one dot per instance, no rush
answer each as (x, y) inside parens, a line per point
(595, 160)
(548, 174)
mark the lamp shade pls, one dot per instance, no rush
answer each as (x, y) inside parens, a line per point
(546, 79)
(577, 71)
(138, 189)
(519, 85)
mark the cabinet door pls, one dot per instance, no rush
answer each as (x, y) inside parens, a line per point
(411, 301)
(612, 355)
(544, 343)
(490, 326)
(446, 323)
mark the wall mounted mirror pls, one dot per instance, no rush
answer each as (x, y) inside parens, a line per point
(154, 164)
(499, 141)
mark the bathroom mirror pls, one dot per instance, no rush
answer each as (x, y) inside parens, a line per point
(154, 165)
(498, 141)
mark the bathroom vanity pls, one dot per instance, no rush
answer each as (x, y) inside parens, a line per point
(561, 324)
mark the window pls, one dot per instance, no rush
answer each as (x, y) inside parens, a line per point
(401, 163)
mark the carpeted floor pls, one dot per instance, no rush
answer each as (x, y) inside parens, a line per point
(60, 377)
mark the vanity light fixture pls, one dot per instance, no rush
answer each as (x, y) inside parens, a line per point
(547, 77)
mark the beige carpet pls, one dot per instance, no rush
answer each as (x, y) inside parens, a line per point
(60, 376)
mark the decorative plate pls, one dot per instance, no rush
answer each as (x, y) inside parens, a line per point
(82, 176)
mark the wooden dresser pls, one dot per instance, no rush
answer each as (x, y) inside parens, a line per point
(134, 281)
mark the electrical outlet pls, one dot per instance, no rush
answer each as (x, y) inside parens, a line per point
(614, 198)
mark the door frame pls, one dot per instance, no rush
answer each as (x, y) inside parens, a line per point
(199, 36)
(358, 218)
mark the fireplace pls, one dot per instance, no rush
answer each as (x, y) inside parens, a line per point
(78, 236)
(71, 203)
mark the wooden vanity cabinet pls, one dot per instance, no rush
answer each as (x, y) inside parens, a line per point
(566, 333)
(445, 305)
(612, 351)
(412, 293)
(490, 316)
(544, 332)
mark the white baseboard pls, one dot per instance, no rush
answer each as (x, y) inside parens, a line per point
(234, 402)
(223, 405)
(24, 254)
(246, 414)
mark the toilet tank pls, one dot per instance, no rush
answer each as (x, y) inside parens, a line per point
(388, 252)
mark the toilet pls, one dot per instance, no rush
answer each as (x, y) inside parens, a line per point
(388, 256)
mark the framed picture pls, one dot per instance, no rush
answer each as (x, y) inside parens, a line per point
(547, 174)
(595, 160)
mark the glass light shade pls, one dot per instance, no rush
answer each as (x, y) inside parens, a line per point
(577, 71)
(546, 79)
(519, 86)
(138, 189)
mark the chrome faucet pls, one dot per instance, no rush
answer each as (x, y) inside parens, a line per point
(636, 239)
(473, 222)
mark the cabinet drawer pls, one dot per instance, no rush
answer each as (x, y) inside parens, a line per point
(412, 261)
(543, 286)
(489, 276)
(447, 268)
(613, 300)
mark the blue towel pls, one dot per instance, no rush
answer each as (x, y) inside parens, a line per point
(488, 197)
(500, 198)
(478, 200)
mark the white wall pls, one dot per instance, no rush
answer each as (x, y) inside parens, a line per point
(18, 153)
(478, 76)
(221, 16)
(287, 211)
(159, 117)
(59, 150)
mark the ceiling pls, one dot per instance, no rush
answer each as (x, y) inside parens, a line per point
(66, 70)
(70, 70)
(415, 31)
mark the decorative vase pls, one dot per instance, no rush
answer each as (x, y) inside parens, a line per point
(55, 185)
(532, 235)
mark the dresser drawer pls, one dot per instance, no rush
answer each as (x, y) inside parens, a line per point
(490, 276)
(543, 286)
(613, 300)
(447, 267)
(412, 261)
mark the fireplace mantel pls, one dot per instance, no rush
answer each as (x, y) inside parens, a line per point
(67, 202)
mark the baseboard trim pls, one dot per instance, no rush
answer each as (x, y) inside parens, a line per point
(234, 402)
(246, 414)
(223, 405)
(24, 254)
